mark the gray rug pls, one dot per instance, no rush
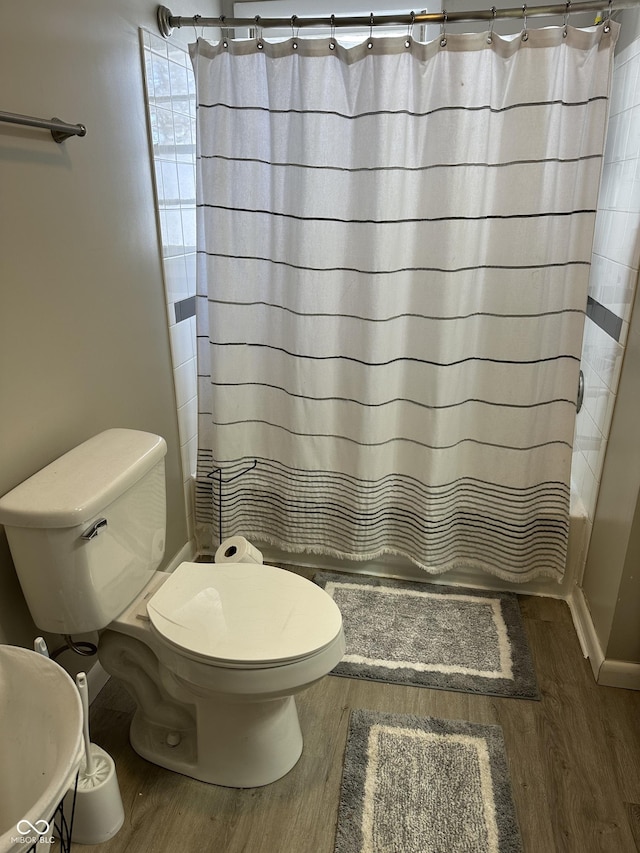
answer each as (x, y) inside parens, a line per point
(428, 635)
(422, 785)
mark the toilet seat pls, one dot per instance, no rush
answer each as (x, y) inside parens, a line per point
(243, 615)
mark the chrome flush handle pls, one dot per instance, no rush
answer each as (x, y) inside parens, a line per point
(96, 527)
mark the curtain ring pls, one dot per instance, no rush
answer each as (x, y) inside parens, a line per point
(332, 43)
(259, 43)
(443, 31)
(494, 12)
(294, 35)
(371, 22)
(224, 32)
(196, 18)
(567, 12)
(407, 41)
(525, 34)
(607, 22)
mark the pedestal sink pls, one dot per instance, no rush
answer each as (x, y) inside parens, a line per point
(40, 743)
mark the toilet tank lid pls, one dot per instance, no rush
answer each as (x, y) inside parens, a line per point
(78, 485)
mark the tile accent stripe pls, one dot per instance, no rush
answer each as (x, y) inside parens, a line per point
(185, 308)
(604, 318)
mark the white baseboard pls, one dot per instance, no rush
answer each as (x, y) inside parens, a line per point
(606, 671)
(620, 673)
(585, 629)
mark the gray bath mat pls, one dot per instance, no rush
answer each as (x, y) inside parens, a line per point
(427, 635)
(422, 785)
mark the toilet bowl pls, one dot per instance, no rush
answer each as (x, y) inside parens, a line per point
(213, 655)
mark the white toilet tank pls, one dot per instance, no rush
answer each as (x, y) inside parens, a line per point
(87, 532)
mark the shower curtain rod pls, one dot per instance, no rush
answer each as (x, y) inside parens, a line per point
(168, 22)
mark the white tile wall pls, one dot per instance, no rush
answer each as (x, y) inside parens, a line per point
(171, 111)
(614, 274)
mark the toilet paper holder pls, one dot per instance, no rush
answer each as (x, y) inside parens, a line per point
(217, 472)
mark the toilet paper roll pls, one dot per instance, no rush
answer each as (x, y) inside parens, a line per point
(237, 549)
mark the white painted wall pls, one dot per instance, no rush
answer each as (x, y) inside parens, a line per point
(84, 340)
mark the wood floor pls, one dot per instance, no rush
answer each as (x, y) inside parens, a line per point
(574, 760)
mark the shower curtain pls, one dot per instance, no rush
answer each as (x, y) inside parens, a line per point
(393, 252)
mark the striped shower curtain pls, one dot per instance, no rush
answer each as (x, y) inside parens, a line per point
(394, 248)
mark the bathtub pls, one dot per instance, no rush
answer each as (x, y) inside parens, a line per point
(391, 566)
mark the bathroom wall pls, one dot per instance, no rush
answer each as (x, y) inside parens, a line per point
(84, 340)
(624, 638)
(171, 115)
(614, 268)
(608, 441)
(611, 585)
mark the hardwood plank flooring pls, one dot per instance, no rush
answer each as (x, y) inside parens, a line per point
(574, 759)
(633, 813)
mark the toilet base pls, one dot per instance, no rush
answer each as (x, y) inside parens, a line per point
(240, 744)
(227, 726)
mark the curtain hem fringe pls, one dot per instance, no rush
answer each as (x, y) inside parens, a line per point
(321, 550)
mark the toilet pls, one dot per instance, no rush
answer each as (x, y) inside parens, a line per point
(213, 654)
